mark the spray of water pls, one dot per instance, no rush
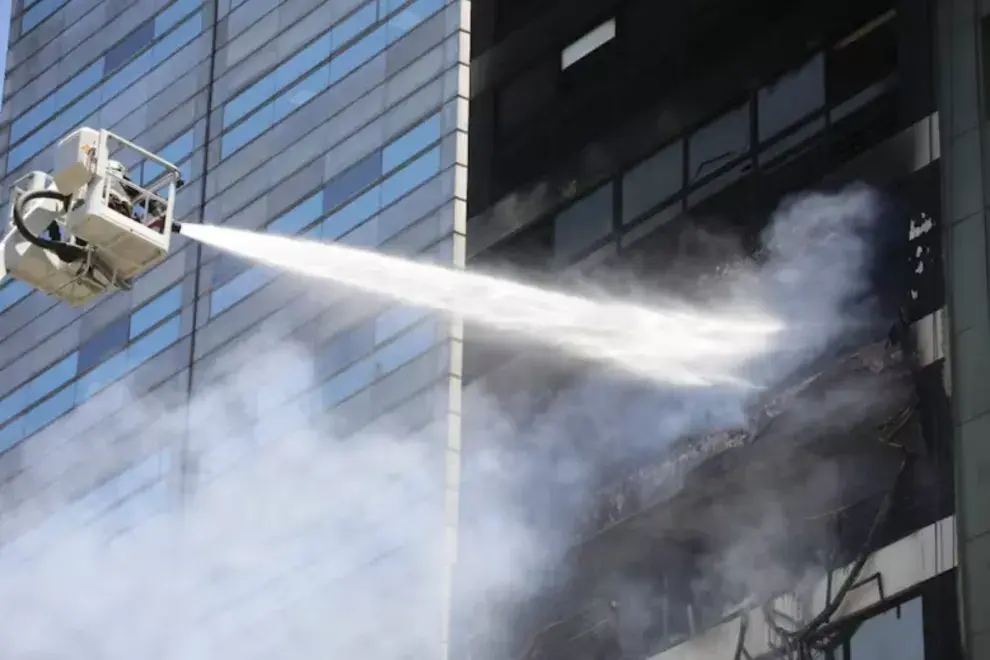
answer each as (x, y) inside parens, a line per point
(240, 521)
(677, 345)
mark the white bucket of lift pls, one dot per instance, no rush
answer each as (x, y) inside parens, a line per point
(126, 245)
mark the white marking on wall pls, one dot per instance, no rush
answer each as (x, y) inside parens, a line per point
(587, 44)
(930, 337)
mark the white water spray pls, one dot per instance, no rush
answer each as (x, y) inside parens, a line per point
(303, 535)
(679, 345)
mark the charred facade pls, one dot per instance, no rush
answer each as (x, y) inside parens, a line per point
(662, 152)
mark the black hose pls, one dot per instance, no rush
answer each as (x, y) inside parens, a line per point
(741, 639)
(799, 640)
(825, 615)
(64, 251)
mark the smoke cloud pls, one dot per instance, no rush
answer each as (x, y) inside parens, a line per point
(251, 525)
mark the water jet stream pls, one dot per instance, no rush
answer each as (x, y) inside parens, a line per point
(678, 345)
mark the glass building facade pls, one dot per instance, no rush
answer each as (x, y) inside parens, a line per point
(342, 120)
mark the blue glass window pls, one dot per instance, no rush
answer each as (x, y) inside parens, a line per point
(79, 83)
(173, 14)
(344, 347)
(238, 289)
(179, 37)
(250, 98)
(353, 214)
(136, 354)
(395, 320)
(12, 292)
(357, 54)
(352, 180)
(412, 142)
(301, 62)
(63, 371)
(365, 235)
(412, 16)
(54, 129)
(116, 56)
(53, 377)
(140, 37)
(156, 310)
(257, 93)
(240, 283)
(78, 111)
(293, 220)
(411, 176)
(385, 359)
(344, 62)
(49, 410)
(32, 118)
(389, 6)
(104, 374)
(11, 434)
(247, 130)
(39, 12)
(14, 402)
(300, 93)
(56, 100)
(226, 267)
(174, 152)
(127, 76)
(47, 381)
(154, 342)
(104, 343)
(410, 345)
(353, 25)
(347, 382)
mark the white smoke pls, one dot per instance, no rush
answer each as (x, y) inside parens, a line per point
(254, 526)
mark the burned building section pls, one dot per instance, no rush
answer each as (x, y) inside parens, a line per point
(789, 528)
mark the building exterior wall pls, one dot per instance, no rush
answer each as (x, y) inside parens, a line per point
(341, 119)
(961, 69)
(829, 94)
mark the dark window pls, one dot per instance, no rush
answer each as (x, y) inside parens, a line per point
(132, 43)
(656, 179)
(719, 143)
(897, 633)
(510, 15)
(595, 69)
(522, 99)
(105, 343)
(579, 226)
(353, 180)
(791, 98)
(862, 58)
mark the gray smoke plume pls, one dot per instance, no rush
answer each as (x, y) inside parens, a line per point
(249, 525)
